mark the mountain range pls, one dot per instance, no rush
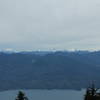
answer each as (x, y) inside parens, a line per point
(49, 70)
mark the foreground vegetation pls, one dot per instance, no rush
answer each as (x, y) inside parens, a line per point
(92, 93)
(21, 96)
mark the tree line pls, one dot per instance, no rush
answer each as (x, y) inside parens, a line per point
(92, 93)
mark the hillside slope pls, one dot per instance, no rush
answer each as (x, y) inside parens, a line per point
(53, 70)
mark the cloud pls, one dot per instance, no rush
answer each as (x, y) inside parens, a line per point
(48, 24)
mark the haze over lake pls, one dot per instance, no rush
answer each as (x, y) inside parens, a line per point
(45, 94)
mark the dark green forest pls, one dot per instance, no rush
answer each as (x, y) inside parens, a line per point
(49, 70)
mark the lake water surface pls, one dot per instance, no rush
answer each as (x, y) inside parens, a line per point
(45, 94)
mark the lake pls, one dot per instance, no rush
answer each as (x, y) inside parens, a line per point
(45, 94)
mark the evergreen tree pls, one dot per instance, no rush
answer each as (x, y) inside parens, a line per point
(21, 96)
(92, 93)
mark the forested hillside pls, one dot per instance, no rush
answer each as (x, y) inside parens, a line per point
(49, 70)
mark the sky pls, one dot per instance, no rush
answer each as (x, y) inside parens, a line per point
(49, 25)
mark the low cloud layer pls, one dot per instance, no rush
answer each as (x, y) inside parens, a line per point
(49, 24)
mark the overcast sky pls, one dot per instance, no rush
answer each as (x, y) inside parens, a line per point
(49, 24)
